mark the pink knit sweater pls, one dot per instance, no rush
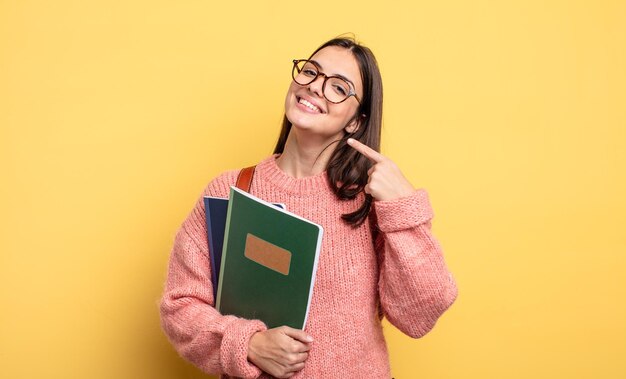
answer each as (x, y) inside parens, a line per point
(404, 278)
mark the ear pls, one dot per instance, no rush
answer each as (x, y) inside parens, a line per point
(355, 124)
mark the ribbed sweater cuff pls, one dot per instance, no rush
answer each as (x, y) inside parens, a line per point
(404, 213)
(234, 348)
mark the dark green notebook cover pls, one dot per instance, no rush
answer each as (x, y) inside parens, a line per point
(269, 260)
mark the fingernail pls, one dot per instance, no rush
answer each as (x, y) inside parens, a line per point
(309, 339)
(350, 140)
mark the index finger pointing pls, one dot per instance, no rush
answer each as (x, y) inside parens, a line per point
(369, 153)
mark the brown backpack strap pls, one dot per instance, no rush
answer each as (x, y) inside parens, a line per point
(244, 179)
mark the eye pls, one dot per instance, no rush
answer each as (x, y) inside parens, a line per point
(309, 72)
(340, 87)
(340, 90)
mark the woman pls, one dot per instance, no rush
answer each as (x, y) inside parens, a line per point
(378, 255)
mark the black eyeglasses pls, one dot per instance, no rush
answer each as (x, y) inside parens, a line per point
(338, 89)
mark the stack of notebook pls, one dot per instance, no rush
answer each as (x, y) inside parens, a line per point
(263, 259)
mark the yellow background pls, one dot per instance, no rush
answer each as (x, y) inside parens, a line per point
(115, 114)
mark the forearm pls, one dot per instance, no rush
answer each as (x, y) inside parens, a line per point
(215, 343)
(415, 285)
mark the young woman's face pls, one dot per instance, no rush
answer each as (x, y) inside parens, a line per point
(309, 111)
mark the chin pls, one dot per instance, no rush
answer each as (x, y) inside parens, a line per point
(298, 119)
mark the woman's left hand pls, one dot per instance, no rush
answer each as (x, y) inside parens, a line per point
(385, 181)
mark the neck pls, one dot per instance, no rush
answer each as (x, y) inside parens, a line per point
(301, 158)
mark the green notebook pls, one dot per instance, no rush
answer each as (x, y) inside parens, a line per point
(269, 260)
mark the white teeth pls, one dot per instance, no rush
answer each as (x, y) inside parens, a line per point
(309, 105)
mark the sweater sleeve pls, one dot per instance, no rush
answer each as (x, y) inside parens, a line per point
(215, 343)
(415, 285)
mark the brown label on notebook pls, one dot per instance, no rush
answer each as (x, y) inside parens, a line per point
(267, 254)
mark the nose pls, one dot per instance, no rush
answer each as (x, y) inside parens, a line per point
(317, 85)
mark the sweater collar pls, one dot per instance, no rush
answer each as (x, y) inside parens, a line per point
(269, 171)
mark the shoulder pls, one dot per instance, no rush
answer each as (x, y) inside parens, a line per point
(194, 224)
(220, 185)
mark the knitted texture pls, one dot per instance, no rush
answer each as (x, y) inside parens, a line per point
(396, 270)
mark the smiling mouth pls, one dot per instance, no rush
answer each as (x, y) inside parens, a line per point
(309, 105)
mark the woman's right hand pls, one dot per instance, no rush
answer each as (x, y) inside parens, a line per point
(281, 351)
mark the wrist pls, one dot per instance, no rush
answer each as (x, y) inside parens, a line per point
(252, 346)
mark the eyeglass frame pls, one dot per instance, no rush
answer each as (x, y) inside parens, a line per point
(326, 77)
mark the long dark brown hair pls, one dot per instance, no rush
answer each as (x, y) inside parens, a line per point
(347, 168)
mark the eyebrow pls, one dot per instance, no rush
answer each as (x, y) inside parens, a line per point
(336, 75)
